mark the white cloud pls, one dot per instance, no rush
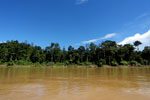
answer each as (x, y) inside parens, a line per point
(144, 38)
(109, 36)
(81, 1)
(90, 41)
(101, 38)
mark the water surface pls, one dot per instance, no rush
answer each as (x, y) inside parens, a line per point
(32, 83)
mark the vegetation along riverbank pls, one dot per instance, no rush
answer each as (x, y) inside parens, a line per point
(105, 53)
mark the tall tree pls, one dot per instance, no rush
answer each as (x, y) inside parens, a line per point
(137, 43)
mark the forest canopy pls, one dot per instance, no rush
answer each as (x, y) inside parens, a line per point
(105, 53)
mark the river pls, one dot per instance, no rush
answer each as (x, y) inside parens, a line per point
(45, 83)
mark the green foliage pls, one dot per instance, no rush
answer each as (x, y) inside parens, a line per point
(10, 63)
(1, 62)
(59, 64)
(37, 64)
(106, 53)
(101, 62)
(133, 63)
(23, 62)
(138, 64)
(67, 63)
(50, 64)
(114, 63)
(123, 62)
(82, 63)
(87, 63)
(145, 62)
(137, 43)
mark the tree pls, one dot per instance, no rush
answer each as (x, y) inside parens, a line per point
(37, 55)
(107, 52)
(81, 51)
(87, 54)
(92, 48)
(70, 53)
(109, 49)
(129, 51)
(137, 43)
(53, 53)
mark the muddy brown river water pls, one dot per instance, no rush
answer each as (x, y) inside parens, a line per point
(32, 83)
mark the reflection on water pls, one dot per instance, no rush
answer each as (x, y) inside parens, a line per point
(30, 83)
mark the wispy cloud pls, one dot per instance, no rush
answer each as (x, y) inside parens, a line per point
(90, 41)
(81, 1)
(140, 22)
(109, 36)
(101, 38)
(142, 16)
(144, 38)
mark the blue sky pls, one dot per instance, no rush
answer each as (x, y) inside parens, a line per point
(74, 22)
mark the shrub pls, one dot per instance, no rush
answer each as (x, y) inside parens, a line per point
(101, 62)
(140, 60)
(87, 63)
(114, 63)
(59, 64)
(81, 63)
(145, 62)
(43, 63)
(0, 62)
(67, 63)
(77, 62)
(37, 64)
(50, 64)
(23, 62)
(133, 63)
(10, 63)
(123, 62)
(138, 64)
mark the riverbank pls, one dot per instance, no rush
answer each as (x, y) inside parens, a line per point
(75, 66)
(54, 66)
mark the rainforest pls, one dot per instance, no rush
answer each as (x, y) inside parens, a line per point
(105, 53)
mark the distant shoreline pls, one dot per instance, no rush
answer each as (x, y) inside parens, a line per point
(76, 66)
(106, 53)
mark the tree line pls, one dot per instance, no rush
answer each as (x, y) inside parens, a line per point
(105, 53)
